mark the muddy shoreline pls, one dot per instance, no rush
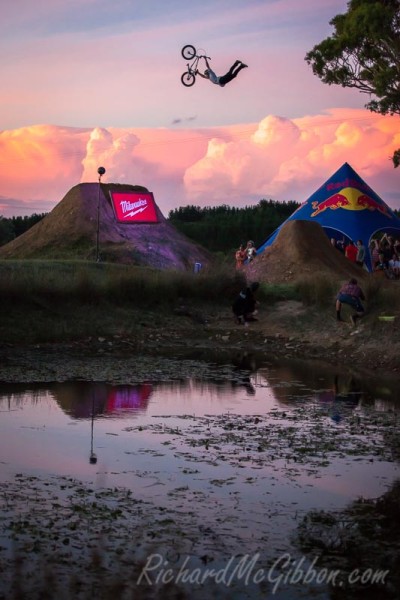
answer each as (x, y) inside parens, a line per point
(94, 358)
(88, 539)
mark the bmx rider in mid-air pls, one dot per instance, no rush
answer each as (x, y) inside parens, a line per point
(224, 79)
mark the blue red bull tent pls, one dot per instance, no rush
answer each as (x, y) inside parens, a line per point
(346, 208)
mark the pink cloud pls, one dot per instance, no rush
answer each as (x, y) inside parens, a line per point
(279, 158)
(37, 162)
(285, 159)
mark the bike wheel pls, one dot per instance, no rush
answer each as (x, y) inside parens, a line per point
(188, 79)
(188, 51)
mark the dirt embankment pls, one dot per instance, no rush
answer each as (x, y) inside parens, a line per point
(288, 329)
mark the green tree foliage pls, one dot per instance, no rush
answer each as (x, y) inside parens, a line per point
(223, 228)
(22, 224)
(12, 227)
(364, 53)
(6, 231)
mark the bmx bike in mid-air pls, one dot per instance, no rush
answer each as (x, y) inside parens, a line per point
(189, 53)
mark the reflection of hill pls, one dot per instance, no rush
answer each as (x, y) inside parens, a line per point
(289, 382)
(82, 399)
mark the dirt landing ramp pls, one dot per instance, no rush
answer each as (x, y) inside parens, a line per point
(301, 248)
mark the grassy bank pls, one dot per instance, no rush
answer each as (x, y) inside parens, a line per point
(61, 300)
(58, 300)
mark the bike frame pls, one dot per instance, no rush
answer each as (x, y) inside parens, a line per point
(192, 68)
(189, 52)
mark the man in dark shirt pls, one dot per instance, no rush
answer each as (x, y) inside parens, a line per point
(245, 303)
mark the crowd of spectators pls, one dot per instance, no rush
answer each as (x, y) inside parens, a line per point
(384, 251)
(385, 256)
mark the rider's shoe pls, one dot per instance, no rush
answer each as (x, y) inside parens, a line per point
(243, 65)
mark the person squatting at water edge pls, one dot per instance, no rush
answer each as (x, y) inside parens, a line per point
(244, 305)
(350, 293)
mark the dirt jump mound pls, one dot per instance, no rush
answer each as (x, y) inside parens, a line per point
(301, 248)
(70, 231)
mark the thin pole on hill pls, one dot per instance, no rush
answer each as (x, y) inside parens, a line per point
(101, 171)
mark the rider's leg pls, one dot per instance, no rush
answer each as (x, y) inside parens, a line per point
(231, 74)
(238, 66)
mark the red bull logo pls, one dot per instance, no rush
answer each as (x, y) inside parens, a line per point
(371, 204)
(333, 202)
(350, 199)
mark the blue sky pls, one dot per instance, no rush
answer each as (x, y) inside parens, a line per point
(97, 82)
(103, 63)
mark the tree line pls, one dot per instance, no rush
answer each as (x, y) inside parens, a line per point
(12, 227)
(222, 228)
(219, 228)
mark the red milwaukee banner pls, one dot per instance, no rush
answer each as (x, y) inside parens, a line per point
(134, 207)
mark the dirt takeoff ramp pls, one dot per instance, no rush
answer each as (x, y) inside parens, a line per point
(69, 231)
(301, 248)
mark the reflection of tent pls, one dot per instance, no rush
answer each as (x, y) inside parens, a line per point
(346, 207)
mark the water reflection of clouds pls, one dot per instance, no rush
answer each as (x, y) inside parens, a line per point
(57, 428)
(335, 480)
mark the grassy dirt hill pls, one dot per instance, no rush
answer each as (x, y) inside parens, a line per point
(302, 249)
(70, 231)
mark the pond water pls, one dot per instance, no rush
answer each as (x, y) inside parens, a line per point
(246, 452)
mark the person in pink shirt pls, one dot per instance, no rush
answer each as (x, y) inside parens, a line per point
(350, 293)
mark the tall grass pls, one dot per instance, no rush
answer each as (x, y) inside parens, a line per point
(59, 300)
(66, 281)
(318, 289)
(382, 295)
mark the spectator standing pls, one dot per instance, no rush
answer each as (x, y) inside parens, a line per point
(351, 251)
(374, 248)
(240, 256)
(382, 264)
(360, 257)
(340, 245)
(394, 265)
(250, 251)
